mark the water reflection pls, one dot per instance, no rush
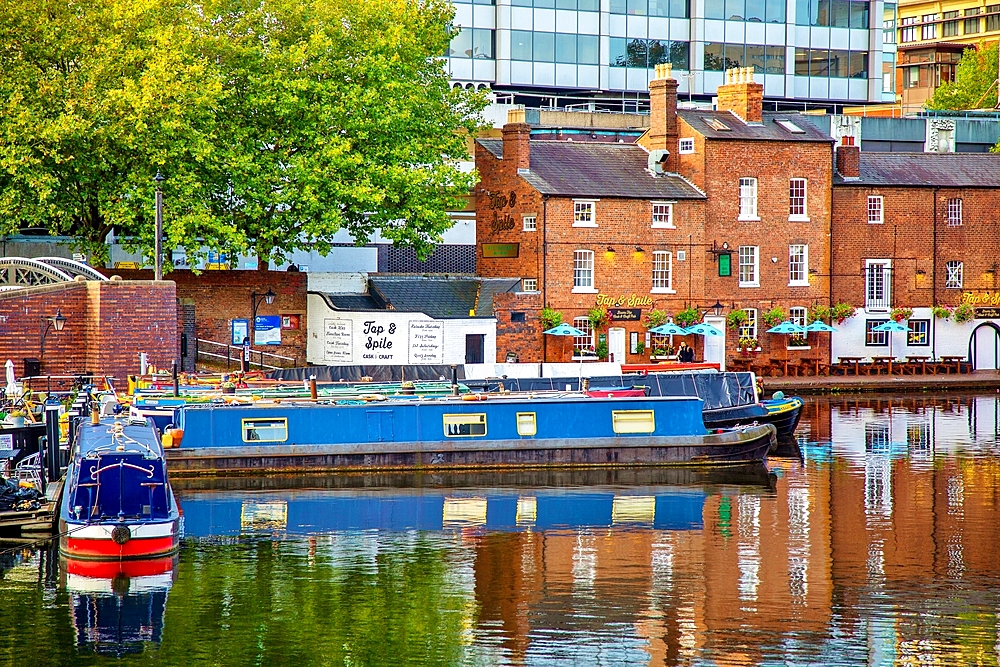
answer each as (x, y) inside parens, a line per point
(874, 542)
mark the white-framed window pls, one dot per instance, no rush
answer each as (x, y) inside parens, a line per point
(663, 215)
(953, 274)
(749, 328)
(586, 341)
(662, 272)
(878, 284)
(929, 29)
(749, 269)
(583, 271)
(955, 212)
(529, 285)
(798, 264)
(583, 213)
(797, 200)
(797, 315)
(685, 146)
(909, 31)
(875, 210)
(530, 223)
(748, 199)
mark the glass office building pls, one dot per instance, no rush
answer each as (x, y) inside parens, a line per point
(827, 51)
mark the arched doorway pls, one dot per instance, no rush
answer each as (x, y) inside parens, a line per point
(984, 347)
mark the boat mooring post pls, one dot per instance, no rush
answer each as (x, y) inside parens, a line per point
(173, 373)
(454, 380)
(312, 388)
(52, 439)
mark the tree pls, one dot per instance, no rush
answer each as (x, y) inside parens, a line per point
(276, 124)
(975, 84)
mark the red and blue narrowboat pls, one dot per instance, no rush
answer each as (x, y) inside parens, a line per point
(117, 502)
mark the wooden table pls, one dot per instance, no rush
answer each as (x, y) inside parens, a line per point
(887, 361)
(739, 364)
(953, 361)
(918, 360)
(810, 362)
(849, 361)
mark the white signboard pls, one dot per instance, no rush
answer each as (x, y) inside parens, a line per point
(339, 341)
(7, 441)
(426, 342)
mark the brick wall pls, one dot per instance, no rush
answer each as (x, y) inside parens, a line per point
(907, 238)
(524, 338)
(219, 297)
(107, 325)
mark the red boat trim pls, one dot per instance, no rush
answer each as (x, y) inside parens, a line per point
(73, 547)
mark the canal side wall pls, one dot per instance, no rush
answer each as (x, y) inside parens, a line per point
(108, 323)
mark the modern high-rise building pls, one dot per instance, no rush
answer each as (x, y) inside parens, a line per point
(601, 53)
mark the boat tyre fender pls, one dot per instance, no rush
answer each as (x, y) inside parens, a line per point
(475, 397)
(121, 534)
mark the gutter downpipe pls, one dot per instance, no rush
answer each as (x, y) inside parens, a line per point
(545, 251)
(832, 263)
(934, 258)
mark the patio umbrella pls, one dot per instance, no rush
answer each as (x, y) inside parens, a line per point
(11, 389)
(669, 329)
(819, 325)
(890, 326)
(787, 327)
(703, 329)
(566, 330)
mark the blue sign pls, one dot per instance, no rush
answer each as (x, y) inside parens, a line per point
(267, 330)
(240, 330)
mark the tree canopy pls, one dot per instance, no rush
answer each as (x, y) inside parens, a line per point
(276, 124)
(975, 84)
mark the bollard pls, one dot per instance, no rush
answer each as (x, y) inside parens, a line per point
(312, 388)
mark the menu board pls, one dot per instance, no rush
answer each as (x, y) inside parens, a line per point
(426, 342)
(339, 341)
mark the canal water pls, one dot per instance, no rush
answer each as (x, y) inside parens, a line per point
(872, 540)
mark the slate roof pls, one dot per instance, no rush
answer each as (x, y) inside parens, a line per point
(767, 130)
(946, 170)
(580, 169)
(439, 296)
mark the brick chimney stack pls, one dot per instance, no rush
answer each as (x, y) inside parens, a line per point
(742, 95)
(848, 158)
(516, 139)
(663, 114)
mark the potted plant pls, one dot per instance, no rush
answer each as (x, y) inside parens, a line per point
(640, 347)
(599, 317)
(941, 312)
(797, 341)
(17, 416)
(407, 387)
(843, 311)
(655, 318)
(687, 317)
(748, 345)
(900, 314)
(774, 316)
(228, 387)
(602, 350)
(736, 318)
(818, 313)
(963, 313)
(550, 317)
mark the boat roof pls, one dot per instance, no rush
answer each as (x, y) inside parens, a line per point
(109, 435)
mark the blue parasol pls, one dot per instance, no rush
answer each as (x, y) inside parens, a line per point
(565, 330)
(890, 326)
(819, 325)
(669, 329)
(788, 327)
(703, 329)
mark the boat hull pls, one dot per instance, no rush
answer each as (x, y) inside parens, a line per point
(97, 541)
(747, 445)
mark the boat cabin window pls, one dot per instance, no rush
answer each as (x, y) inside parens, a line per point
(526, 423)
(465, 426)
(633, 421)
(265, 430)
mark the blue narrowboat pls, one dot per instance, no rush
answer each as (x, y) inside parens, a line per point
(471, 431)
(117, 502)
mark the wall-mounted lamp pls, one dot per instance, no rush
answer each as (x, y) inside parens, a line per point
(638, 248)
(813, 272)
(774, 260)
(717, 308)
(921, 272)
(610, 249)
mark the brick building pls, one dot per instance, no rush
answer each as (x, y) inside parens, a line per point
(913, 231)
(583, 225)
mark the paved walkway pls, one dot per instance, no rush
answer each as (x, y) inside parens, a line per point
(975, 381)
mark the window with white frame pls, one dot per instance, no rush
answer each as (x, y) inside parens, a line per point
(748, 199)
(798, 264)
(530, 223)
(529, 285)
(583, 213)
(875, 210)
(797, 315)
(954, 212)
(583, 271)
(663, 214)
(686, 146)
(797, 199)
(749, 328)
(748, 266)
(929, 29)
(878, 284)
(662, 272)
(953, 274)
(586, 341)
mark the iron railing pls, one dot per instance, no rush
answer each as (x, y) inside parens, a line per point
(233, 355)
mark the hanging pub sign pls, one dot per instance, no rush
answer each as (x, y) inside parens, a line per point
(987, 313)
(624, 301)
(501, 249)
(625, 314)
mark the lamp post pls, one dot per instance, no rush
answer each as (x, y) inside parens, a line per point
(158, 241)
(57, 322)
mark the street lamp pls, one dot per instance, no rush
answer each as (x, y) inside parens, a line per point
(158, 241)
(256, 300)
(57, 322)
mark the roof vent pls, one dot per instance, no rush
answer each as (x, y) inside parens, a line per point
(657, 161)
(789, 125)
(717, 125)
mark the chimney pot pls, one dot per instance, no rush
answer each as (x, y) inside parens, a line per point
(742, 95)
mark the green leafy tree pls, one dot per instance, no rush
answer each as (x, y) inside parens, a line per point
(975, 84)
(276, 124)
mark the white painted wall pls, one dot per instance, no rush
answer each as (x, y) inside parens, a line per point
(337, 283)
(390, 338)
(946, 337)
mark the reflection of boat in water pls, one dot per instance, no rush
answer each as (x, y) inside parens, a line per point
(118, 606)
(117, 502)
(539, 500)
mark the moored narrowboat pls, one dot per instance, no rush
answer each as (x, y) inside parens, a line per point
(469, 432)
(117, 502)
